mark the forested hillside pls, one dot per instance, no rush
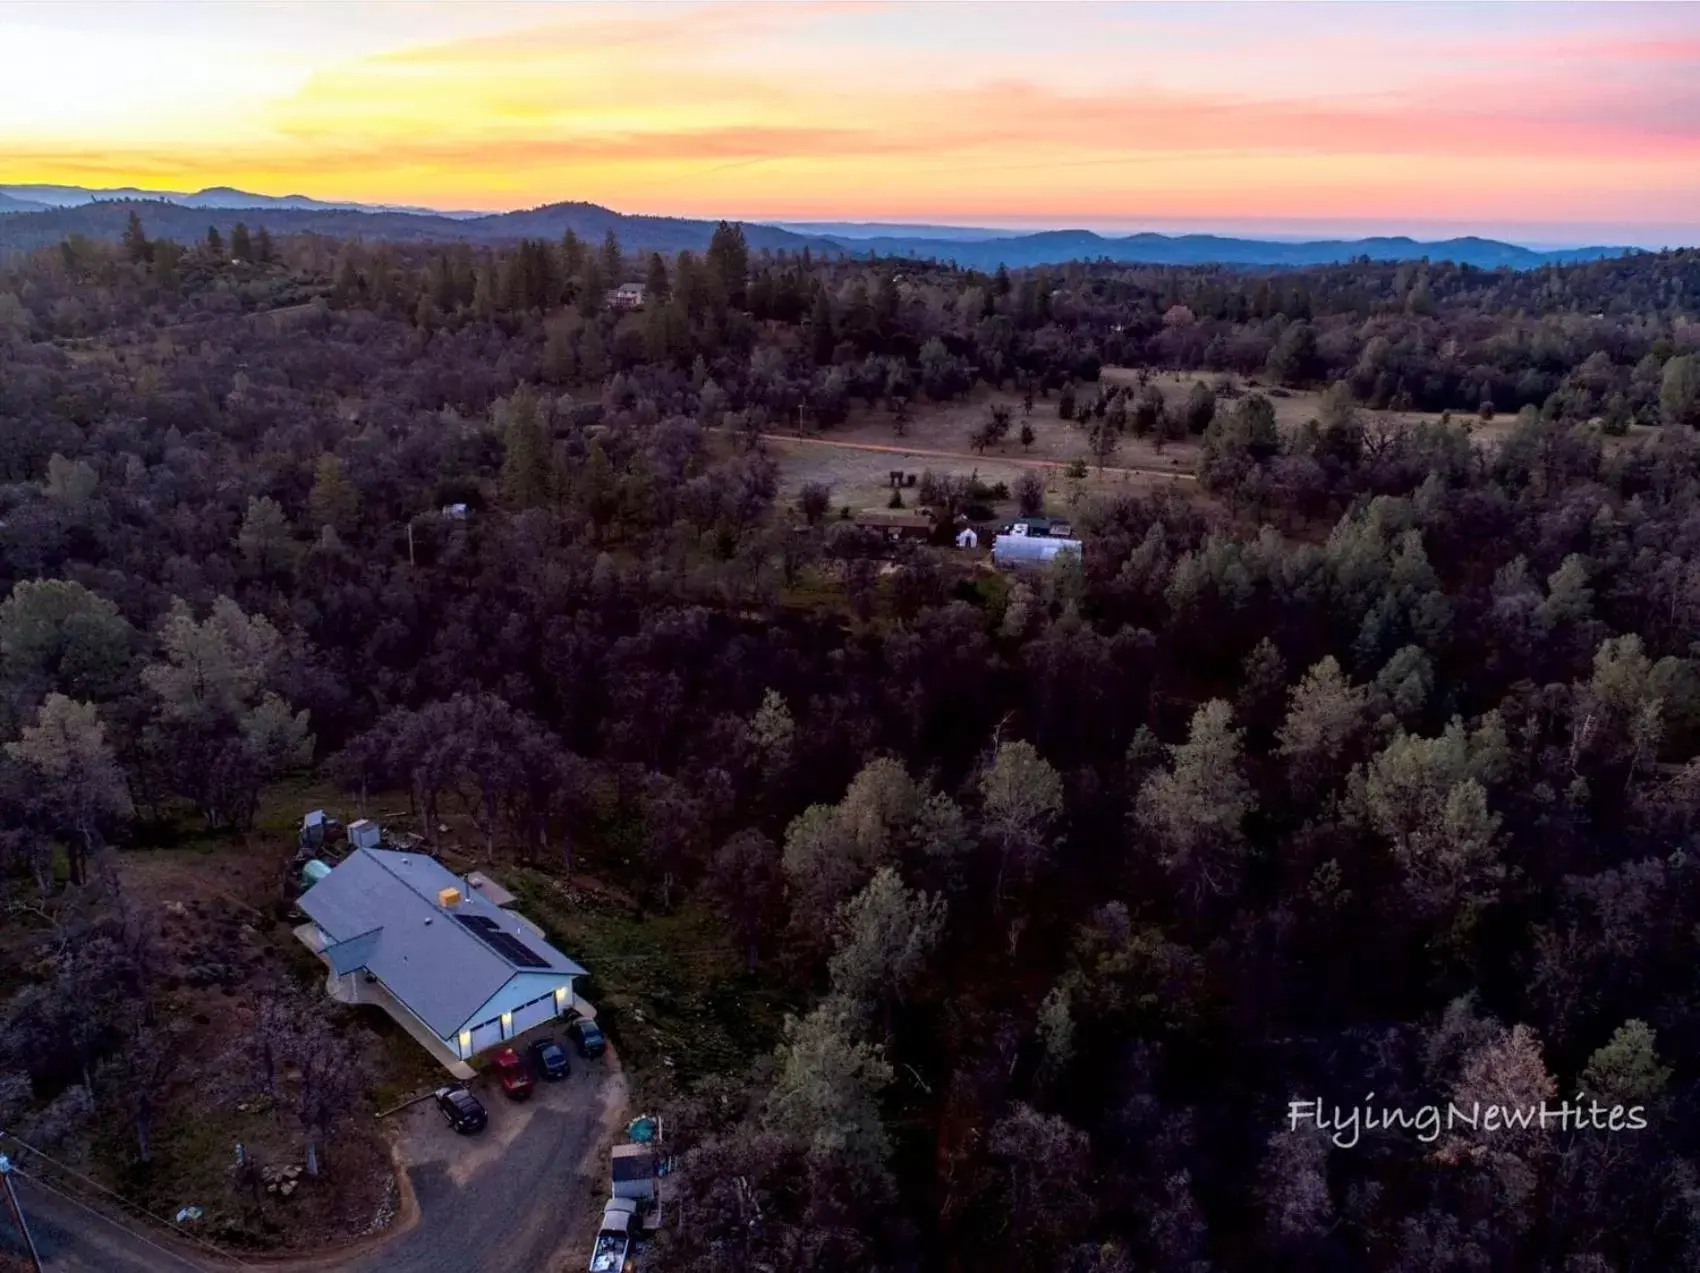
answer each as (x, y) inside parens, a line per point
(1364, 774)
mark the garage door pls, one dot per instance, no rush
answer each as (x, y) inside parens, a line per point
(534, 1013)
(487, 1035)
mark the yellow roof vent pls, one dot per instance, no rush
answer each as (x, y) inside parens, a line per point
(448, 897)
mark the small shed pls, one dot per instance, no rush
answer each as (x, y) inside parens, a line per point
(365, 834)
(314, 827)
(967, 538)
(633, 1170)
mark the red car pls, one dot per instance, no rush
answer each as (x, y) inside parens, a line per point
(514, 1073)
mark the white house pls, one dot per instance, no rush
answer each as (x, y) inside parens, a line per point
(458, 972)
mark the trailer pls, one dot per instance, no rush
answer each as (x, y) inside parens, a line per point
(614, 1238)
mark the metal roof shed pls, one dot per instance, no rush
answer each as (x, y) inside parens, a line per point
(1027, 550)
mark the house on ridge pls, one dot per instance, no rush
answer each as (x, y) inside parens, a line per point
(457, 971)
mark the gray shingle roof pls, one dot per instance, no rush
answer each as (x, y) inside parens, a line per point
(388, 901)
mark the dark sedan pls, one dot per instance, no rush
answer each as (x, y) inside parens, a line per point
(461, 1108)
(587, 1037)
(550, 1058)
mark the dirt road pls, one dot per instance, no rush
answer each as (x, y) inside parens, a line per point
(791, 439)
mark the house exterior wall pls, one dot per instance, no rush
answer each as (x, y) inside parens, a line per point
(475, 1036)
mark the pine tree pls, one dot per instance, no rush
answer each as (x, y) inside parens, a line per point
(136, 245)
(613, 265)
(215, 242)
(657, 289)
(592, 283)
(241, 246)
(484, 293)
(264, 253)
(822, 339)
(333, 502)
(729, 260)
(572, 255)
(527, 465)
(166, 256)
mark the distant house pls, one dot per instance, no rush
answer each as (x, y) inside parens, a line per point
(896, 523)
(458, 972)
(455, 512)
(626, 297)
(1017, 551)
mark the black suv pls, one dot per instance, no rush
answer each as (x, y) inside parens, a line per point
(550, 1058)
(587, 1037)
(461, 1108)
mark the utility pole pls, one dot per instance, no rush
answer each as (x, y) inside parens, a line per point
(17, 1210)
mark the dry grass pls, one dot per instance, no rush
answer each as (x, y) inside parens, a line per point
(855, 459)
(222, 936)
(218, 904)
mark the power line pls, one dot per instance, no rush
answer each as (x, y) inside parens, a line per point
(123, 1201)
(101, 1215)
(16, 1209)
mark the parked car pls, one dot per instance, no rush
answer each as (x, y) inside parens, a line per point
(550, 1059)
(514, 1073)
(461, 1108)
(587, 1037)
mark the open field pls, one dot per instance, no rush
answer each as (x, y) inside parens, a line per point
(855, 458)
(858, 472)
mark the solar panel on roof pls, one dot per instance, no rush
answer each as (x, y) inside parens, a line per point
(507, 946)
(517, 951)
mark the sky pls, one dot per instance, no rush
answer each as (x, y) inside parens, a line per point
(1539, 123)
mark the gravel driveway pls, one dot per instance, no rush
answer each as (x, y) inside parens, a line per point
(514, 1198)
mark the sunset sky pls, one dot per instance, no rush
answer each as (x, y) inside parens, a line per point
(1543, 123)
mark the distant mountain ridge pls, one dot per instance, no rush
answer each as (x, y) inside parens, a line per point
(48, 196)
(38, 215)
(11, 203)
(1053, 246)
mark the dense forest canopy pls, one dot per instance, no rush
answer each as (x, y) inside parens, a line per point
(1369, 771)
